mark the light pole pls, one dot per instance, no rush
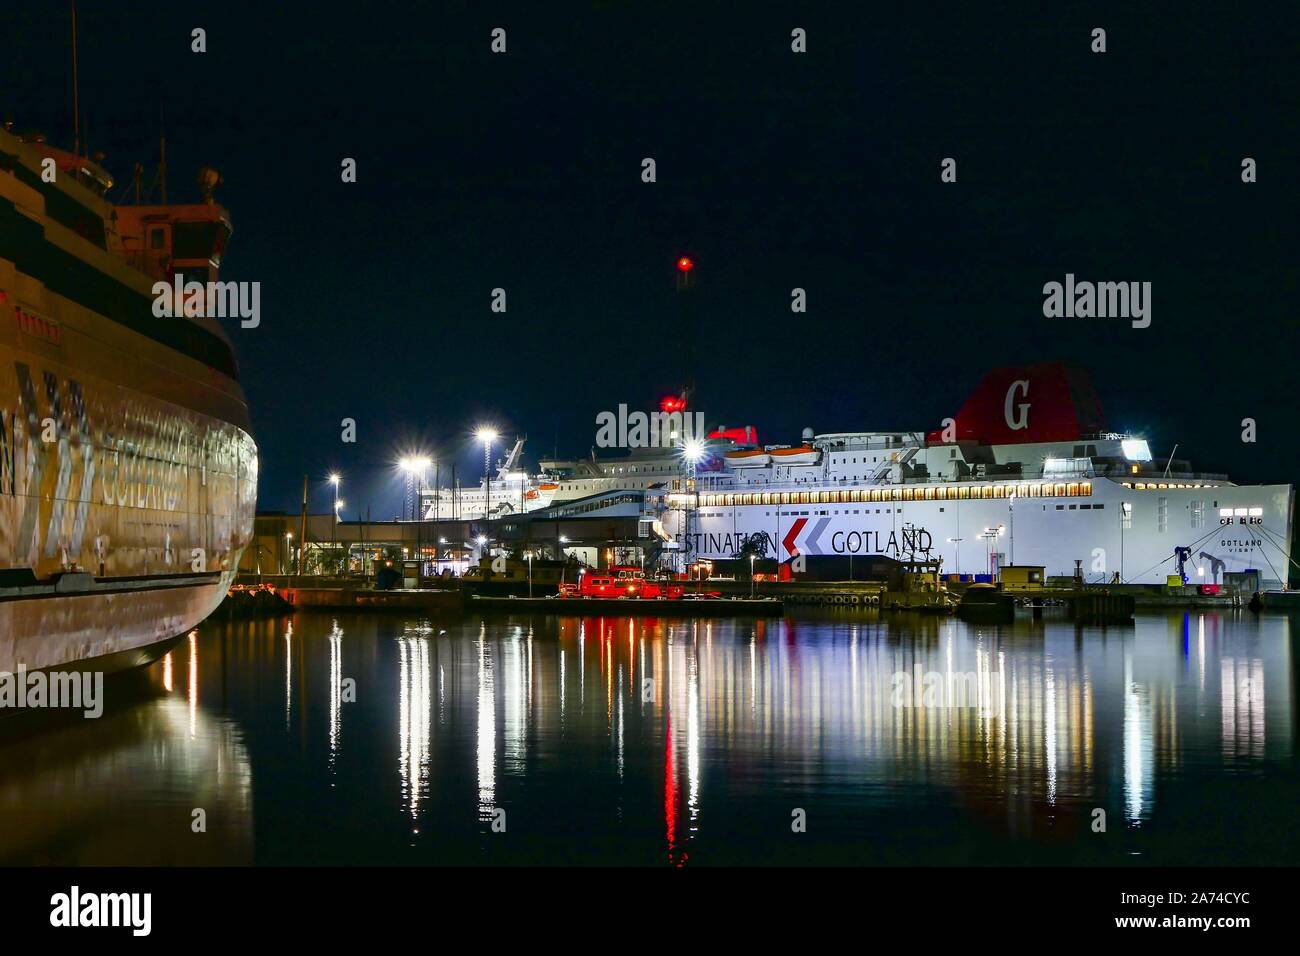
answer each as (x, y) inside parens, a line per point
(416, 467)
(421, 470)
(405, 466)
(288, 545)
(692, 453)
(989, 535)
(335, 478)
(957, 542)
(751, 574)
(487, 436)
(530, 574)
(338, 504)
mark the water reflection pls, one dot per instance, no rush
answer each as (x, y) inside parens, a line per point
(615, 740)
(125, 788)
(415, 703)
(486, 737)
(336, 690)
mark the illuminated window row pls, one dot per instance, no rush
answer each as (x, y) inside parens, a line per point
(1060, 489)
(1162, 485)
(1241, 512)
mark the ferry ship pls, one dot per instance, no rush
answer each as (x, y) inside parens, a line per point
(128, 470)
(515, 491)
(1025, 473)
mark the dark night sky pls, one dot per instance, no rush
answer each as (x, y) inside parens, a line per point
(775, 170)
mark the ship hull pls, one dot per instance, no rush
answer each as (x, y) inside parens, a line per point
(108, 629)
(1229, 528)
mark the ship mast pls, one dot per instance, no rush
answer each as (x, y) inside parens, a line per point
(76, 102)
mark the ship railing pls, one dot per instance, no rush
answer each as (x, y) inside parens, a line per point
(892, 442)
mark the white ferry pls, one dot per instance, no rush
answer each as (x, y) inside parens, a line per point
(1024, 474)
(559, 480)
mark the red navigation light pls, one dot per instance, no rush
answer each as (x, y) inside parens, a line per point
(670, 403)
(684, 264)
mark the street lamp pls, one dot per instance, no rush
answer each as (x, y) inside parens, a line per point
(288, 544)
(693, 451)
(404, 465)
(487, 436)
(751, 574)
(989, 535)
(415, 467)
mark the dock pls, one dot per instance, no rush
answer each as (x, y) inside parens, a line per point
(363, 599)
(635, 607)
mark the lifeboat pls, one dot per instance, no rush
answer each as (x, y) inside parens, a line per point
(803, 455)
(748, 458)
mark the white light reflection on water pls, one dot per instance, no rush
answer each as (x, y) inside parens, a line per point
(414, 718)
(746, 721)
(1242, 690)
(1049, 729)
(693, 732)
(1137, 744)
(288, 672)
(336, 690)
(486, 731)
(515, 694)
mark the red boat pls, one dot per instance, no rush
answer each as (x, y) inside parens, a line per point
(619, 582)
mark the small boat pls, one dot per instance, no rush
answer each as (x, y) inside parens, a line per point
(748, 458)
(801, 455)
(987, 602)
(621, 582)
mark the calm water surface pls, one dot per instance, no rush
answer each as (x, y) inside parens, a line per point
(895, 739)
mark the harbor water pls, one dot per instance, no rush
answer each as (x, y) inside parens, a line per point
(833, 737)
